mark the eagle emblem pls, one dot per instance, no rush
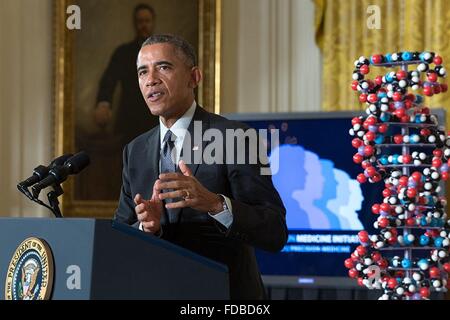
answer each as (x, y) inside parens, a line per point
(30, 272)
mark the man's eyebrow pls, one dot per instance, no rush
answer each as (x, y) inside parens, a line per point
(158, 63)
(141, 68)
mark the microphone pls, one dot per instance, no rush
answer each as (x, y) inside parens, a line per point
(59, 174)
(40, 172)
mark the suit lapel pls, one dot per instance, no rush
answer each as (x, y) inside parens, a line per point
(192, 151)
(153, 152)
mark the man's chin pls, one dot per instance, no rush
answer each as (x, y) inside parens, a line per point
(156, 110)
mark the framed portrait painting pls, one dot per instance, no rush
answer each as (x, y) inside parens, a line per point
(97, 102)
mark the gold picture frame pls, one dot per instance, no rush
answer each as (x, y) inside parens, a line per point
(209, 31)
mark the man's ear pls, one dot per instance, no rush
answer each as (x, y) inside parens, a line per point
(196, 77)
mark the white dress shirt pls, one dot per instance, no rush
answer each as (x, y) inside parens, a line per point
(179, 129)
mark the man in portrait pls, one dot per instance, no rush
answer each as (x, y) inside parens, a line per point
(132, 115)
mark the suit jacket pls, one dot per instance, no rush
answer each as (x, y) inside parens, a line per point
(258, 212)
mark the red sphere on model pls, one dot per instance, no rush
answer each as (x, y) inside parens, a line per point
(386, 207)
(376, 256)
(432, 76)
(424, 292)
(397, 96)
(378, 80)
(437, 60)
(411, 192)
(425, 132)
(404, 119)
(446, 267)
(371, 121)
(369, 136)
(434, 272)
(364, 69)
(407, 159)
(437, 153)
(392, 283)
(363, 236)
(400, 113)
(361, 250)
(349, 263)
(417, 176)
(403, 181)
(382, 128)
(361, 178)
(383, 263)
(371, 171)
(366, 164)
(357, 158)
(383, 222)
(376, 208)
(437, 89)
(356, 120)
(356, 143)
(437, 162)
(368, 151)
(377, 59)
(376, 178)
(398, 139)
(428, 91)
(401, 74)
(353, 273)
(372, 98)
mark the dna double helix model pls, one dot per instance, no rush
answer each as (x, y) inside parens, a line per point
(401, 143)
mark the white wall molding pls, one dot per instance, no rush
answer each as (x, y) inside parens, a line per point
(270, 60)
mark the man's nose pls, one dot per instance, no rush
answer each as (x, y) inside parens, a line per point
(152, 80)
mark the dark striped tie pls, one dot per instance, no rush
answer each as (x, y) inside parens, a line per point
(168, 158)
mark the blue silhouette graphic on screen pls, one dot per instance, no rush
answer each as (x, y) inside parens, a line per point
(348, 201)
(328, 193)
(290, 176)
(342, 196)
(313, 190)
(316, 195)
(350, 210)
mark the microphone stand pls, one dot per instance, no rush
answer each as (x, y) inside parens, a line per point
(53, 199)
(57, 174)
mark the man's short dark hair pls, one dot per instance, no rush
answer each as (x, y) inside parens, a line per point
(143, 6)
(184, 47)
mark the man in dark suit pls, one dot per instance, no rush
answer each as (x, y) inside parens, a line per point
(220, 210)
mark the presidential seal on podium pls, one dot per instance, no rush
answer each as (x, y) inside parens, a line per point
(30, 272)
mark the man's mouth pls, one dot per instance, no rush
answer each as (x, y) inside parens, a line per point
(155, 96)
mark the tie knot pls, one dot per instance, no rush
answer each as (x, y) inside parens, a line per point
(169, 136)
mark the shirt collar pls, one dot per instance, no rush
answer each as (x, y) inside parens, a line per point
(180, 127)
